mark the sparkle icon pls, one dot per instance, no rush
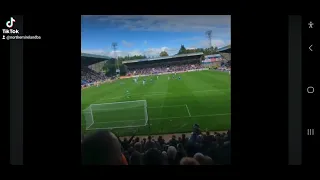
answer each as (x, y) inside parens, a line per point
(310, 24)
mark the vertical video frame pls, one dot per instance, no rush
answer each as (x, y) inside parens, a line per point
(156, 89)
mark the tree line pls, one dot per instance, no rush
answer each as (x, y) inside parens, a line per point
(182, 50)
(205, 51)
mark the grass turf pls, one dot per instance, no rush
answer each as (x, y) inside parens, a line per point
(174, 105)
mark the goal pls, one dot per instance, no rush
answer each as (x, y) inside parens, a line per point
(127, 114)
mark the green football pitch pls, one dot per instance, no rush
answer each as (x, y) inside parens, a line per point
(160, 107)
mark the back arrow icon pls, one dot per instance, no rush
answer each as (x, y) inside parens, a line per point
(310, 47)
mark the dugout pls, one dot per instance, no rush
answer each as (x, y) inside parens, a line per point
(193, 58)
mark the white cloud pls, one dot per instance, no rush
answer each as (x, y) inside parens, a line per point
(150, 52)
(94, 51)
(191, 48)
(195, 38)
(219, 24)
(214, 42)
(127, 44)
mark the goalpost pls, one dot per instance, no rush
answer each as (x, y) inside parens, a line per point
(127, 114)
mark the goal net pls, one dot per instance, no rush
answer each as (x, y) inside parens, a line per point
(127, 114)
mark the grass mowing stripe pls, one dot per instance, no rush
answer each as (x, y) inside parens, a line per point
(202, 92)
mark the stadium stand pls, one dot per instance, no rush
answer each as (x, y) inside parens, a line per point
(176, 63)
(225, 52)
(89, 76)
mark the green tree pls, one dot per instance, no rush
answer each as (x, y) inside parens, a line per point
(182, 50)
(123, 69)
(126, 58)
(105, 68)
(163, 54)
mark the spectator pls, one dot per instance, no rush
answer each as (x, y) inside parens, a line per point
(180, 152)
(161, 142)
(90, 76)
(184, 140)
(102, 148)
(172, 152)
(126, 143)
(188, 161)
(138, 147)
(165, 157)
(153, 157)
(149, 144)
(181, 67)
(137, 139)
(173, 142)
(207, 161)
(135, 158)
(200, 158)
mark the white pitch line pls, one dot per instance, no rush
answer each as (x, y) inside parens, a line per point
(211, 90)
(146, 94)
(182, 126)
(116, 109)
(166, 106)
(188, 110)
(155, 119)
(207, 115)
(92, 119)
(157, 94)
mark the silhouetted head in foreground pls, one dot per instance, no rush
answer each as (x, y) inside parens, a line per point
(101, 148)
(207, 161)
(188, 161)
(153, 157)
(199, 157)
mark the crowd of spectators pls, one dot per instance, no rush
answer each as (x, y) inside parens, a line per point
(105, 148)
(90, 76)
(164, 69)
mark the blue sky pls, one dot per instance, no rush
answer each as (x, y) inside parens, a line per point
(151, 34)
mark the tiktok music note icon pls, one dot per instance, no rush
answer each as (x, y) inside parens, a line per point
(9, 24)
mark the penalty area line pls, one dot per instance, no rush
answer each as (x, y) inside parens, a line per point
(188, 110)
(155, 119)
